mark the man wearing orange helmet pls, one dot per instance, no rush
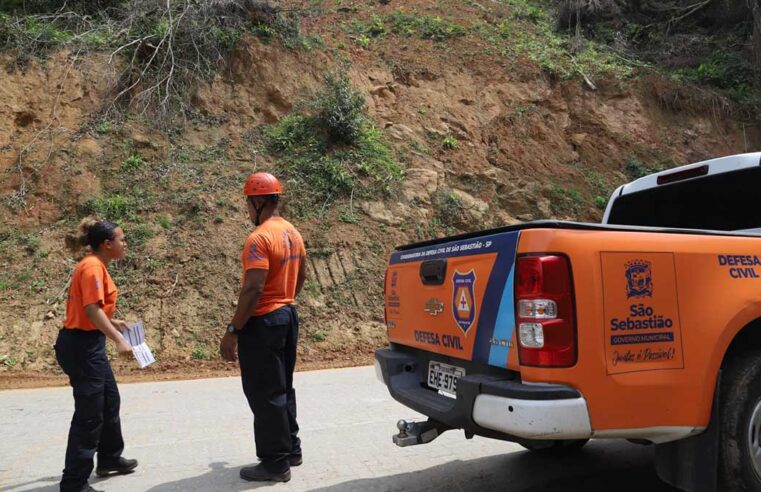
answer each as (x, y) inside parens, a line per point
(265, 330)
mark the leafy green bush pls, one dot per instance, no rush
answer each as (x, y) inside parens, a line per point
(724, 69)
(132, 163)
(340, 110)
(449, 143)
(333, 153)
(424, 26)
(199, 354)
(114, 207)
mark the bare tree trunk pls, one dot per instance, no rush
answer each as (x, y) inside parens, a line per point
(756, 7)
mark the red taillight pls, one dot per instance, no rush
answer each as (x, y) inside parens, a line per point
(544, 311)
(385, 298)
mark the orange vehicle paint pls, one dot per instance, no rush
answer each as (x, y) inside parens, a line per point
(704, 301)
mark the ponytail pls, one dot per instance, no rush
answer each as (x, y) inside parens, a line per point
(92, 233)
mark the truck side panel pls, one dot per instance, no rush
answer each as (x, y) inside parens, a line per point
(469, 314)
(643, 373)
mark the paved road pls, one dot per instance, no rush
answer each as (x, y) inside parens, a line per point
(195, 435)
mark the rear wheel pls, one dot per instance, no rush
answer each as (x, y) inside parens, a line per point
(740, 415)
(565, 446)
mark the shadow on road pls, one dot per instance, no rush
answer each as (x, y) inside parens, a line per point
(220, 477)
(51, 487)
(600, 466)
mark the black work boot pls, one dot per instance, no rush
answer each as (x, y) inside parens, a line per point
(87, 488)
(118, 467)
(295, 460)
(258, 473)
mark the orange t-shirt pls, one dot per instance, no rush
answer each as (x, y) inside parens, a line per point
(90, 284)
(275, 246)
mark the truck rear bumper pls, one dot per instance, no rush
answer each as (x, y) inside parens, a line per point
(487, 404)
(534, 419)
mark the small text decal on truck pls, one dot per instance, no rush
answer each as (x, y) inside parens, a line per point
(740, 266)
(642, 327)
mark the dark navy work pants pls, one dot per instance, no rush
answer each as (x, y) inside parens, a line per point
(95, 426)
(267, 354)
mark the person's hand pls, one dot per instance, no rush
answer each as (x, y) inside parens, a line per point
(228, 347)
(120, 325)
(123, 347)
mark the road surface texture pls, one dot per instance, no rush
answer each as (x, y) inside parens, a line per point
(195, 435)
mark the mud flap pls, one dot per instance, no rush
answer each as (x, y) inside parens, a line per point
(692, 464)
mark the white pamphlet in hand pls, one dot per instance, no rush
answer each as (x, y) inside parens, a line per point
(136, 337)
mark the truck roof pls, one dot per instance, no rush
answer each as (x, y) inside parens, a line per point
(704, 175)
(691, 171)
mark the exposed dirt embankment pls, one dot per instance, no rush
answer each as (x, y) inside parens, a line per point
(484, 141)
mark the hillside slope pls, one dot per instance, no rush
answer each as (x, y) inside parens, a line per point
(491, 119)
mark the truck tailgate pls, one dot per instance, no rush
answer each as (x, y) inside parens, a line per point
(455, 298)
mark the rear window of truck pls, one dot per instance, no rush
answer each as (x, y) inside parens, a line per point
(721, 202)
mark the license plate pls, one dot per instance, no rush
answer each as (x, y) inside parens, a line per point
(443, 377)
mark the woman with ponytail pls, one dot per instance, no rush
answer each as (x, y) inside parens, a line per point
(81, 352)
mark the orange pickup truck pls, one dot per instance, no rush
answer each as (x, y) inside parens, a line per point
(646, 327)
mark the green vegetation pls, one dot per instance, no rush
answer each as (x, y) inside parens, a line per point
(104, 128)
(424, 26)
(168, 48)
(449, 143)
(635, 169)
(29, 243)
(339, 109)
(334, 152)
(528, 29)
(712, 44)
(138, 234)
(408, 24)
(132, 163)
(600, 187)
(318, 335)
(447, 208)
(114, 207)
(16, 281)
(8, 360)
(730, 72)
(565, 200)
(165, 222)
(199, 354)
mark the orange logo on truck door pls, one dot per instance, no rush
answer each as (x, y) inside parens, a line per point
(642, 327)
(463, 300)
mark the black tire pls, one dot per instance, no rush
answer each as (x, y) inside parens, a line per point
(740, 400)
(566, 446)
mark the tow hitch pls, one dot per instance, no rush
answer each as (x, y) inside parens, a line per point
(414, 433)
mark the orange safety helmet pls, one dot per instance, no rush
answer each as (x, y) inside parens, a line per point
(259, 184)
